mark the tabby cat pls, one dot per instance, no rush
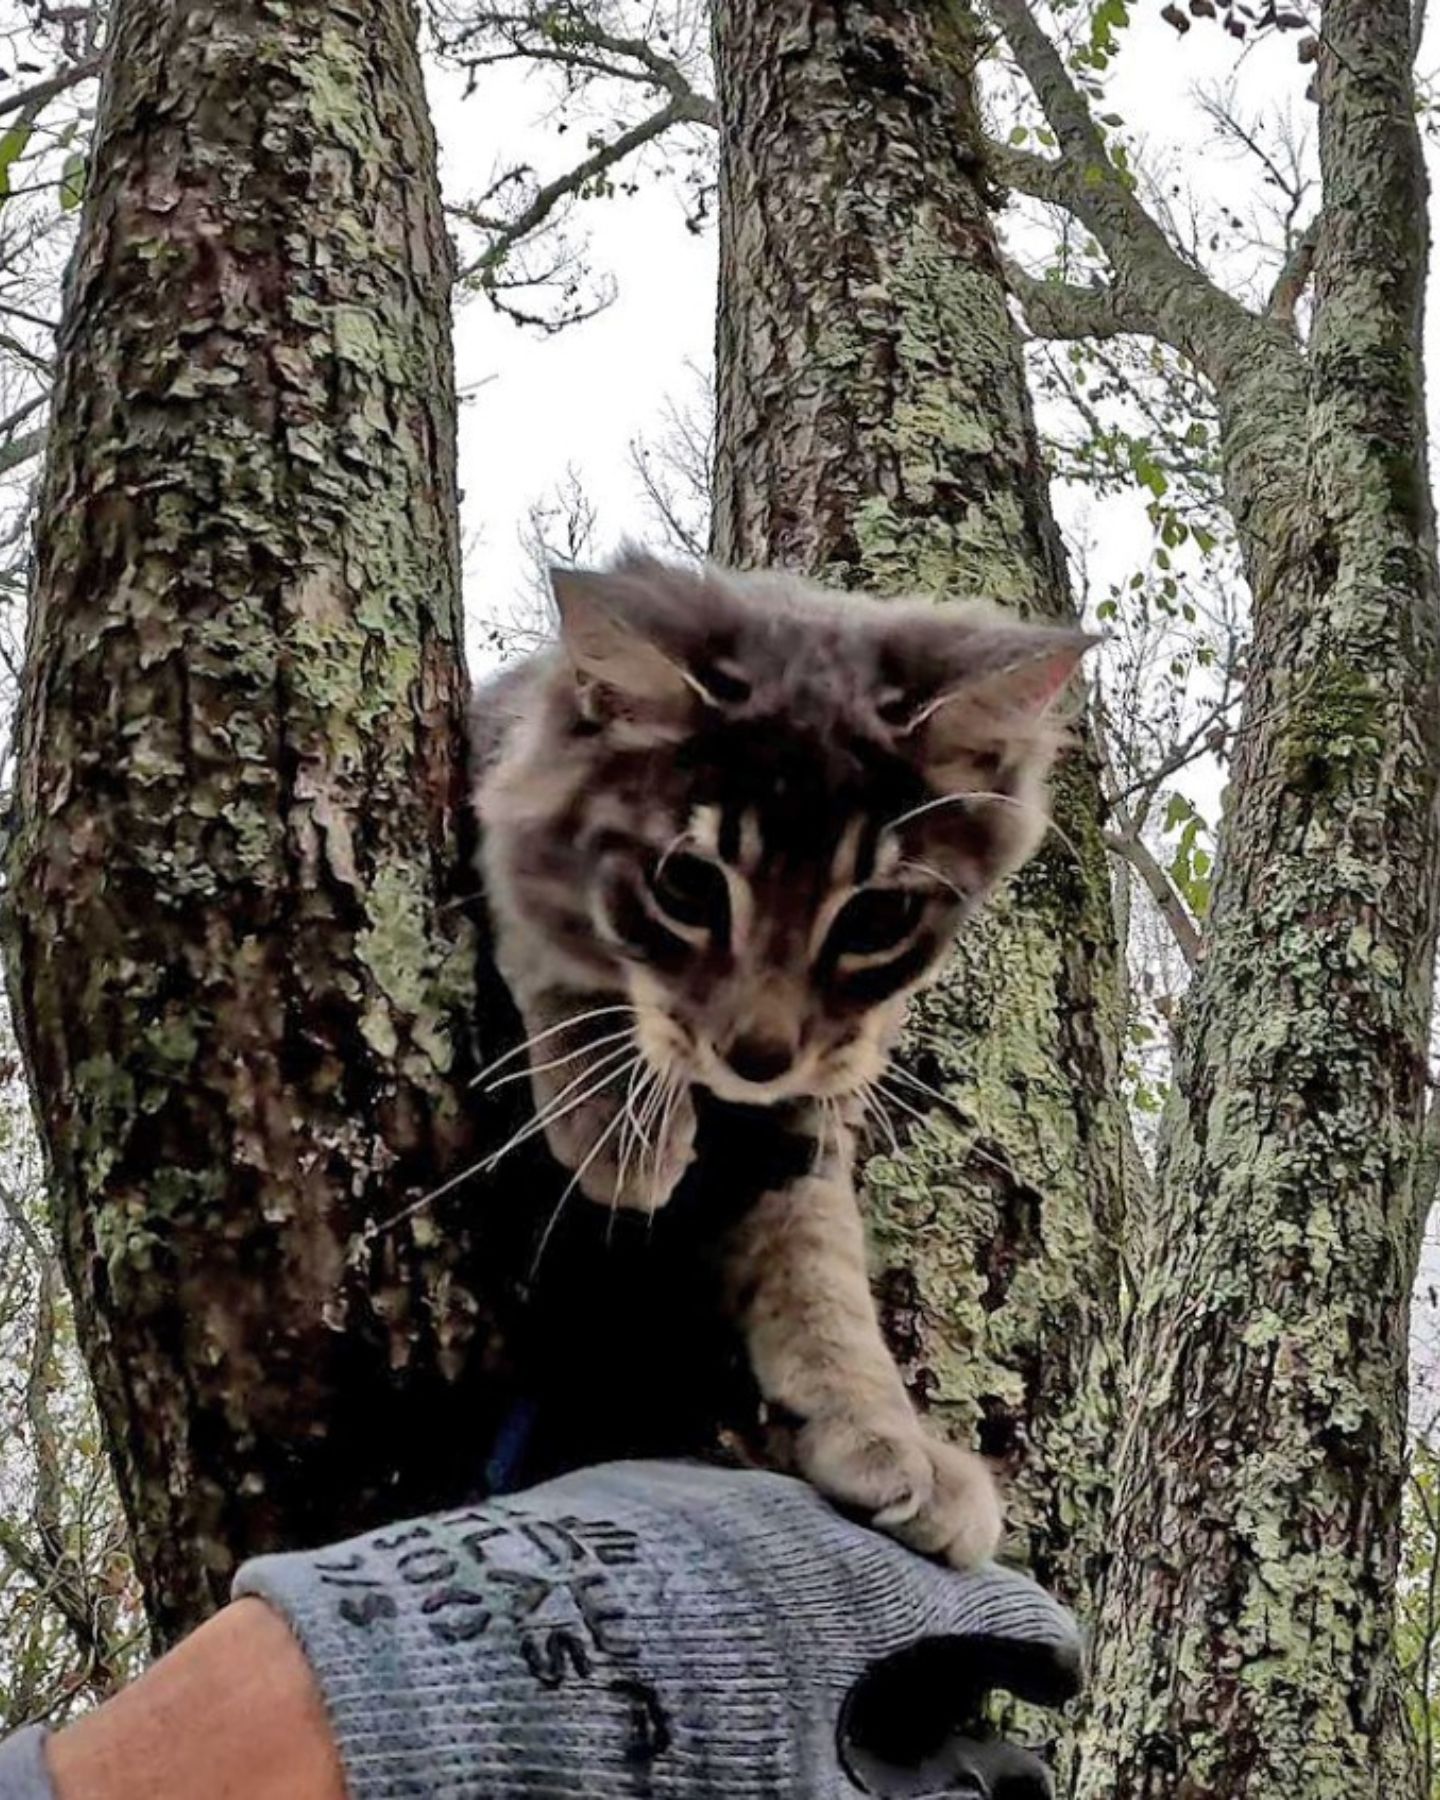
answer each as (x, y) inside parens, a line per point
(729, 823)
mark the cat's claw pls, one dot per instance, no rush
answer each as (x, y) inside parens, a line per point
(935, 1497)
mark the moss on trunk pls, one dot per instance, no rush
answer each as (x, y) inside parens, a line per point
(1245, 1642)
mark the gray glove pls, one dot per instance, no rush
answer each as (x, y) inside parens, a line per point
(22, 1766)
(665, 1630)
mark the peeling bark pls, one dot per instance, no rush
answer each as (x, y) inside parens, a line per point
(875, 430)
(241, 987)
(1245, 1643)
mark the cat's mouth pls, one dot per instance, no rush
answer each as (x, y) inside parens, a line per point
(748, 1071)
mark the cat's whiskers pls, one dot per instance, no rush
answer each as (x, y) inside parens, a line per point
(570, 1187)
(831, 1127)
(374, 1231)
(672, 1087)
(654, 1118)
(616, 1064)
(924, 868)
(896, 1072)
(917, 812)
(874, 1111)
(486, 1164)
(539, 1037)
(632, 1135)
(558, 1062)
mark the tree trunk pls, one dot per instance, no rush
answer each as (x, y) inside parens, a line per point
(241, 988)
(1246, 1637)
(875, 430)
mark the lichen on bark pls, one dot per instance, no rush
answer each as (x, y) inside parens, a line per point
(242, 986)
(875, 431)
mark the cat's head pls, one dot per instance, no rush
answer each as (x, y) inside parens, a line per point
(761, 810)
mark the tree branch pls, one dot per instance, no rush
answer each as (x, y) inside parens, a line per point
(635, 59)
(1046, 178)
(543, 204)
(1294, 277)
(1188, 310)
(1162, 890)
(1059, 309)
(43, 92)
(49, 1563)
(21, 450)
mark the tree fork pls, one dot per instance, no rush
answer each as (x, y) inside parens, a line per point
(240, 976)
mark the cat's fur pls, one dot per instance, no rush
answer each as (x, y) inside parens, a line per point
(680, 803)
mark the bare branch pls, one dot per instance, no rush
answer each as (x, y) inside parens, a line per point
(1162, 890)
(588, 47)
(31, 99)
(544, 203)
(21, 450)
(48, 1561)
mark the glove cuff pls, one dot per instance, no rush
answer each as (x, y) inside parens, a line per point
(23, 1775)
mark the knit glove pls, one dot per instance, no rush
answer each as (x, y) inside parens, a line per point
(23, 1775)
(665, 1630)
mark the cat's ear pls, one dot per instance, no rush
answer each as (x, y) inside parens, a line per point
(612, 637)
(977, 684)
(1009, 673)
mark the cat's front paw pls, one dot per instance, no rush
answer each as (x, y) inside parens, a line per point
(639, 1170)
(933, 1496)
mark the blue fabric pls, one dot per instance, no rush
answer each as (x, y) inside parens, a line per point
(22, 1766)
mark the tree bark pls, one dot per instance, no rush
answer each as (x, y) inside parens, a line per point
(240, 976)
(875, 430)
(1245, 1643)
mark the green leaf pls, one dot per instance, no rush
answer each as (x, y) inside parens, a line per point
(1177, 811)
(72, 181)
(12, 148)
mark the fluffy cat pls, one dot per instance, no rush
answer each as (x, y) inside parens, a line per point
(729, 824)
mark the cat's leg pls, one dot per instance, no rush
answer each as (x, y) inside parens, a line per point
(603, 1108)
(798, 1284)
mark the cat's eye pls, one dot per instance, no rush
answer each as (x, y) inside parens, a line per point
(877, 920)
(691, 892)
(895, 708)
(724, 686)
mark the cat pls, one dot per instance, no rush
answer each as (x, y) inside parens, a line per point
(729, 823)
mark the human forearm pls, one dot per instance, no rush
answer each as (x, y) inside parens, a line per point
(234, 1714)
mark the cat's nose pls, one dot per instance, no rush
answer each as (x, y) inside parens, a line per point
(759, 1059)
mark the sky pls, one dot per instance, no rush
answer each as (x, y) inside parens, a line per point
(542, 404)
